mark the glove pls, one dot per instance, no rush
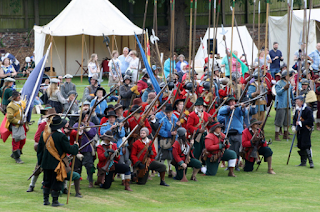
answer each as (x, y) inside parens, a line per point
(80, 156)
(286, 87)
(100, 115)
(141, 166)
(221, 146)
(186, 112)
(134, 89)
(182, 121)
(293, 128)
(110, 150)
(92, 94)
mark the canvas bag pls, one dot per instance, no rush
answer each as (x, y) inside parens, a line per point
(18, 133)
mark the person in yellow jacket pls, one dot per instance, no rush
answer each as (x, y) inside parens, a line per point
(15, 111)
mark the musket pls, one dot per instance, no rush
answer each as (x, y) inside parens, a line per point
(145, 159)
(294, 136)
(122, 121)
(164, 104)
(222, 103)
(259, 163)
(110, 161)
(245, 89)
(187, 160)
(254, 152)
(175, 96)
(70, 106)
(251, 100)
(204, 125)
(38, 167)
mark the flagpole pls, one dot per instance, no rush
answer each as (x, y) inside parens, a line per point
(208, 40)
(254, 14)
(190, 32)
(35, 87)
(258, 26)
(288, 59)
(307, 37)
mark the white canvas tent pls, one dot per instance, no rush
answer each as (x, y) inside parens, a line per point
(245, 37)
(85, 18)
(278, 32)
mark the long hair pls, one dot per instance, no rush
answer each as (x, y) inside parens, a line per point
(52, 88)
(92, 59)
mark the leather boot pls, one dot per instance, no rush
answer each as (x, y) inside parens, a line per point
(303, 158)
(77, 188)
(16, 156)
(194, 173)
(46, 193)
(231, 174)
(55, 196)
(123, 182)
(309, 155)
(127, 185)
(30, 189)
(286, 135)
(162, 182)
(280, 131)
(276, 137)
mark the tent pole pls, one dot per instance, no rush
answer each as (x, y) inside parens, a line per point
(65, 55)
(82, 42)
(112, 44)
(94, 44)
(51, 41)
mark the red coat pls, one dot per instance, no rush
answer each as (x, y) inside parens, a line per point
(137, 146)
(246, 143)
(193, 121)
(40, 129)
(212, 143)
(268, 81)
(133, 122)
(142, 84)
(178, 156)
(102, 159)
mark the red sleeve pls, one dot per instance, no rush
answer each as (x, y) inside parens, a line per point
(246, 137)
(175, 152)
(39, 131)
(134, 152)
(125, 113)
(101, 157)
(210, 146)
(153, 156)
(191, 123)
(147, 125)
(222, 93)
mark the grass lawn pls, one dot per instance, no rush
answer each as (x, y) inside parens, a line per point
(291, 189)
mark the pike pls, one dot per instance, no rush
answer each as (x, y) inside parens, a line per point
(190, 31)
(177, 93)
(110, 162)
(146, 159)
(70, 106)
(154, 40)
(38, 167)
(231, 50)
(74, 158)
(204, 125)
(208, 40)
(266, 38)
(106, 40)
(224, 32)
(254, 14)
(194, 44)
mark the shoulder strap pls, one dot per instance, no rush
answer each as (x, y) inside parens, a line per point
(142, 150)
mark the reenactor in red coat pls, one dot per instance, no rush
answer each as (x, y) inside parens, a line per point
(217, 150)
(181, 149)
(249, 144)
(195, 120)
(178, 106)
(136, 119)
(139, 148)
(105, 150)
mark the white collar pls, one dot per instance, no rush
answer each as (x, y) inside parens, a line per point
(146, 140)
(303, 107)
(104, 143)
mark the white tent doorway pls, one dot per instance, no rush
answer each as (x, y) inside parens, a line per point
(88, 20)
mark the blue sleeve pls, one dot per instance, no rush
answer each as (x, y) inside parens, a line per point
(225, 110)
(92, 103)
(122, 133)
(104, 128)
(279, 90)
(163, 132)
(144, 96)
(251, 89)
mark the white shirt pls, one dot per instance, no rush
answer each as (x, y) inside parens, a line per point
(133, 63)
(92, 66)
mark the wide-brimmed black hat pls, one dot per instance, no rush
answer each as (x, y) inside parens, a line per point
(199, 101)
(176, 103)
(134, 107)
(57, 123)
(215, 124)
(46, 107)
(168, 108)
(100, 89)
(117, 106)
(111, 113)
(108, 136)
(254, 121)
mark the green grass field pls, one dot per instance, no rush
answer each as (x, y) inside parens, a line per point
(291, 189)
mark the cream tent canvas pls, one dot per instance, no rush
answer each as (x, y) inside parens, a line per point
(278, 32)
(88, 18)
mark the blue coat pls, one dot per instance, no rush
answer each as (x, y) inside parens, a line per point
(145, 94)
(249, 114)
(237, 121)
(118, 135)
(100, 108)
(281, 97)
(166, 67)
(165, 130)
(252, 89)
(160, 115)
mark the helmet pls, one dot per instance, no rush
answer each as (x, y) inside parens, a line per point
(162, 84)
(128, 72)
(149, 83)
(28, 59)
(304, 82)
(170, 85)
(206, 86)
(126, 77)
(255, 74)
(235, 76)
(283, 65)
(145, 73)
(188, 86)
(284, 73)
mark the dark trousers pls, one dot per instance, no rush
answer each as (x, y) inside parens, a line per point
(154, 165)
(50, 181)
(87, 162)
(119, 168)
(193, 163)
(212, 168)
(265, 151)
